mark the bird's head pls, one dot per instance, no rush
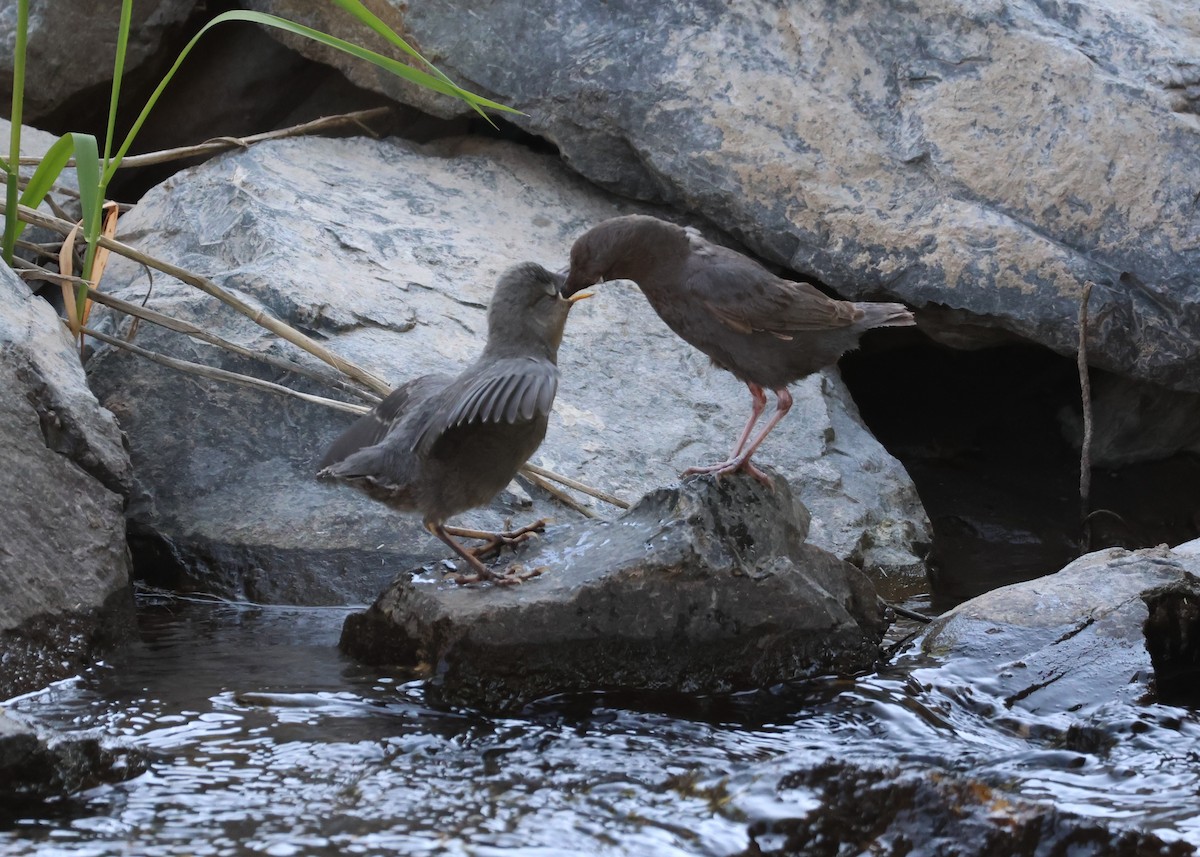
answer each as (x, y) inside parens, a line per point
(528, 311)
(623, 248)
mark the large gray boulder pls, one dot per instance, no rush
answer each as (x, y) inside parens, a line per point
(389, 253)
(981, 159)
(708, 587)
(72, 44)
(64, 475)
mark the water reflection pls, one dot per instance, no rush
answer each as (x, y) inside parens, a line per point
(266, 740)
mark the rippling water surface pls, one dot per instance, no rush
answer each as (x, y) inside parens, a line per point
(265, 740)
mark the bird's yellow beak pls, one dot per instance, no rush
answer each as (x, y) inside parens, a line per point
(580, 296)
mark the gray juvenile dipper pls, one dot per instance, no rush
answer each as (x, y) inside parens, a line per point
(765, 330)
(440, 445)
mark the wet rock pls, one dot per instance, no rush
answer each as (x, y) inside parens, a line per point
(1173, 640)
(64, 474)
(860, 144)
(401, 247)
(888, 812)
(1068, 642)
(33, 766)
(703, 587)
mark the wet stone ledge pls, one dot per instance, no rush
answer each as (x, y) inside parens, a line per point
(36, 766)
(703, 587)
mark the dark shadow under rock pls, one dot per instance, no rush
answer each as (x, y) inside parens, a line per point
(703, 587)
(1173, 640)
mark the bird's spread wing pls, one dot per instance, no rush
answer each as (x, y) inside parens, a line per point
(372, 427)
(510, 390)
(747, 297)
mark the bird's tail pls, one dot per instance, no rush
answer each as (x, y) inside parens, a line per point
(885, 315)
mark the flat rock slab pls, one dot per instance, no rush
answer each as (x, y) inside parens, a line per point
(1067, 642)
(701, 587)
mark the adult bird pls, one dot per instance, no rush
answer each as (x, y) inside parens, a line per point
(766, 330)
(440, 445)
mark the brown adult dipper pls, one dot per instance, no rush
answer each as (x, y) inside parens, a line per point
(767, 331)
(440, 445)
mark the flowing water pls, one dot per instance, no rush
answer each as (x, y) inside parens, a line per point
(263, 739)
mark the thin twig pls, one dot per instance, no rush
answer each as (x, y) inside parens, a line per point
(191, 330)
(578, 486)
(50, 251)
(908, 614)
(257, 315)
(221, 144)
(532, 473)
(220, 374)
(1085, 448)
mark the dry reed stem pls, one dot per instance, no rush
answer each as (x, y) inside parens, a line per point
(358, 118)
(259, 316)
(1085, 448)
(215, 374)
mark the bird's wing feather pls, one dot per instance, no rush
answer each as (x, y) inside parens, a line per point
(502, 391)
(747, 297)
(373, 426)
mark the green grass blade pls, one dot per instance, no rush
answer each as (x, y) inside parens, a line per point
(367, 17)
(394, 66)
(118, 73)
(91, 201)
(48, 171)
(12, 223)
(91, 193)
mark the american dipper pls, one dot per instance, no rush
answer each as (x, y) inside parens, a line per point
(440, 445)
(765, 330)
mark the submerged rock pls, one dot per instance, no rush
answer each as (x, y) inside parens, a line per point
(884, 811)
(703, 587)
(33, 766)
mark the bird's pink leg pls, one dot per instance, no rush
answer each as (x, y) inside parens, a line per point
(741, 460)
(495, 541)
(758, 405)
(481, 573)
(783, 404)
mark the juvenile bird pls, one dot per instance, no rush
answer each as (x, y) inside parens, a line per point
(440, 445)
(767, 331)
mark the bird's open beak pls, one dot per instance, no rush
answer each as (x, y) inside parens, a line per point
(576, 283)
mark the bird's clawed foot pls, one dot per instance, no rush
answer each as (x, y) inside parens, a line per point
(514, 574)
(495, 542)
(733, 465)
